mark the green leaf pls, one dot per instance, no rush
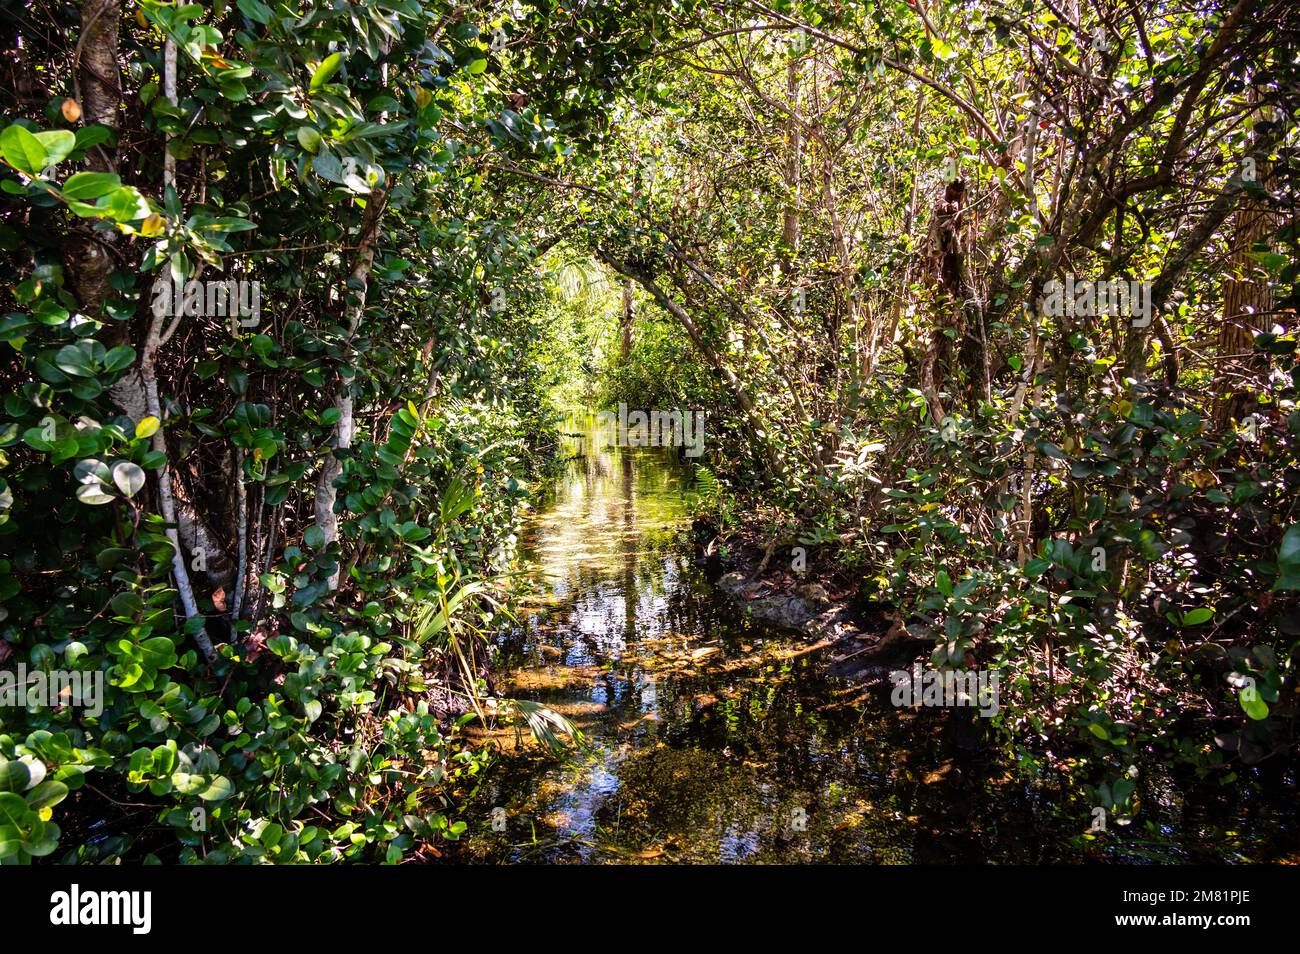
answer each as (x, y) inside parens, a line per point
(943, 582)
(42, 840)
(57, 143)
(120, 357)
(47, 795)
(128, 476)
(93, 135)
(255, 10)
(90, 185)
(22, 150)
(1051, 450)
(941, 50)
(328, 67)
(91, 469)
(411, 532)
(1036, 567)
(328, 167)
(75, 361)
(15, 776)
(1197, 616)
(146, 427)
(218, 788)
(1254, 707)
(126, 204)
(49, 312)
(1288, 560)
(31, 153)
(314, 537)
(10, 841)
(309, 139)
(13, 809)
(15, 327)
(93, 494)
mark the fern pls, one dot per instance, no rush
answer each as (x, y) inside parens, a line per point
(708, 489)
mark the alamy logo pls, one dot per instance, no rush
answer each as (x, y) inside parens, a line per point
(134, 908)
(656, 428)
(55, 687)
(1090, 299)
(237, 299)
(948, 687)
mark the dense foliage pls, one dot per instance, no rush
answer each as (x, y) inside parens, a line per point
(276, 532)
(241, 520)
(858, 220)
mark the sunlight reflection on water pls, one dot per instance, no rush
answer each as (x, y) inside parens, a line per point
(711, 738)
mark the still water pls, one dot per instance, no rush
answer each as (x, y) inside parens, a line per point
(713, 740)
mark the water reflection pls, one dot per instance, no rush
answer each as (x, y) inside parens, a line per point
(713, 740)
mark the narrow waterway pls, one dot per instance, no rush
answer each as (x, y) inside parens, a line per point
(712, 739)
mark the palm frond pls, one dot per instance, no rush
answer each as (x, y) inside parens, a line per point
(546, 725)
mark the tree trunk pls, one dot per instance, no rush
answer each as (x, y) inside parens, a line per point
(87, 260)
(326, 492)
(626, 322)
(1246, 299)
(947, 270)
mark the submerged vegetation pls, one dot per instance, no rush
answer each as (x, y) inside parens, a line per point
(989, 310)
